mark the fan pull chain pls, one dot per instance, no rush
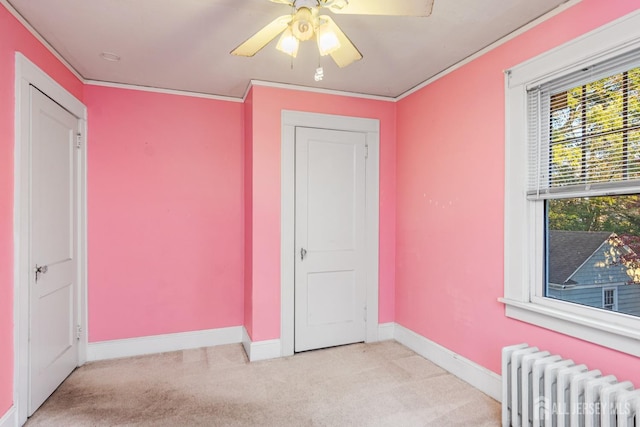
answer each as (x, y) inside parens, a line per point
(319, 71)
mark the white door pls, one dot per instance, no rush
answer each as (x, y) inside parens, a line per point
(53, 345)
(330, 282)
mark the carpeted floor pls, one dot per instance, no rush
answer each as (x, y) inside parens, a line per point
(381, 384)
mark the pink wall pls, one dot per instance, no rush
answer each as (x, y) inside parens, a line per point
(14, 37)
(165, 198)
(449, 263)
(248, 211)
(268, 104)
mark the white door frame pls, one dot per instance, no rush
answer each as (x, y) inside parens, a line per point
(371, 127)
(28, 74)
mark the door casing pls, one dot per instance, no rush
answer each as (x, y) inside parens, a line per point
(371, 127)
(28, 74)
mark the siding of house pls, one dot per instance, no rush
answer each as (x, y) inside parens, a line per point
(602, 268)
(591, 296)
(628, 297)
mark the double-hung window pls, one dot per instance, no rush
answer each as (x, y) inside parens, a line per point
(572, 188)
(610, 299)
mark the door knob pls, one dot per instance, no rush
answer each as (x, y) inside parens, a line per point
(41, 269)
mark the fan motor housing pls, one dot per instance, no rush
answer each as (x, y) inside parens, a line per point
(303, 24)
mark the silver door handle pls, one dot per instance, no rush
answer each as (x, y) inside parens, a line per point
(41, 269)
(303, 253)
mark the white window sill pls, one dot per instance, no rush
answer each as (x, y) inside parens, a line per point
(607, 334)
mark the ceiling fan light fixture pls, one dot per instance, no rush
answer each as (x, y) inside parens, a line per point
(288, 43)
(302, 25)
(305, 22)
(328, 41)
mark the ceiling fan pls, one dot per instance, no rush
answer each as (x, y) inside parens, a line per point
(306, 22)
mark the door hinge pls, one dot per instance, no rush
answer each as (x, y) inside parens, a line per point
(366, 151)
(78, 332)
(79, 141)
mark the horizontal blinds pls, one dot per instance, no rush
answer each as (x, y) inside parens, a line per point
(584, 131)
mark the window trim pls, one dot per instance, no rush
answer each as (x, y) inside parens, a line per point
(524, 219)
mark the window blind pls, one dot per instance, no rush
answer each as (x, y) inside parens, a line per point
(584, 131)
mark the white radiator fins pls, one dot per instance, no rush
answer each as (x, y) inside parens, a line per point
(516, 391)
(636, 411)
(506, 382)
(537, 378)
(565, 378)
(608, 397)
(539, 389)
(592, 399)
(626, 408)
(577, 398)
(551, 391)
(527, 387)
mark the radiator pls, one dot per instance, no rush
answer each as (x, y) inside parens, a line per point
(544, 390)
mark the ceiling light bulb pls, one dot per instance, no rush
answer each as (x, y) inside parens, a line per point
(288, 43)
(327, 40)
(303, 24)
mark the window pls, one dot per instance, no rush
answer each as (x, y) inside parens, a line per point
(592, 248)
(610, 299)
(572, 221)
(584, 140)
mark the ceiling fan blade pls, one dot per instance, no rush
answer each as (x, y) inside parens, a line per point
(381, 7)
(347, 53)
(263, 37)
(289, 2)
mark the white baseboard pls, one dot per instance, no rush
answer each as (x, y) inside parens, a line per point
(386, 331)
(260, 350)
(163, 343)
(478, 376)
(10, 418)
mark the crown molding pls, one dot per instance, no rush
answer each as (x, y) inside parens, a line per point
(318, 90)
(162, 91)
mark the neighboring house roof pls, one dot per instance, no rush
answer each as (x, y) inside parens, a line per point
(568, 250)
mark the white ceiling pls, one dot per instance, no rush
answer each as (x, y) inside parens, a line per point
(185, 44)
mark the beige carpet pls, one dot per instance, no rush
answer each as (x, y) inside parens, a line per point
(382, 384)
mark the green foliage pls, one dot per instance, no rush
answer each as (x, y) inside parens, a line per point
(595, 137)
(617, 214)
(587, 136)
